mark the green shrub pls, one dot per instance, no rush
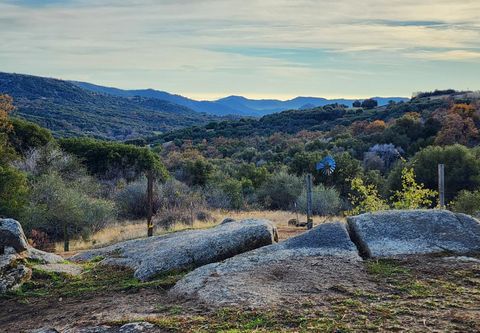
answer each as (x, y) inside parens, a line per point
(13, 191)
(365, 198)
(55, 204)
(326, 201)
(467, 202)
(280, 191)
(26, 135)
(131, 200)
(412, 195)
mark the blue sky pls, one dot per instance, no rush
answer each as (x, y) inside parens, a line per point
(264, 48)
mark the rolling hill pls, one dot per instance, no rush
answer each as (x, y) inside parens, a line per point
(69, 110)
(322, 118)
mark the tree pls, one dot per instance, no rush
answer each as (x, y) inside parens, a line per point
(326, 200)
(357, 104)
(458, 126)
(467, 202)
(369, 103)
(412, 195)
(6, 107)
(462, 169)
(365, 198)
(26, 135)
(114, 160)
(280, 190)
(13, 192)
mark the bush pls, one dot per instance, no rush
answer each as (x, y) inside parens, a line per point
(131, 200)
(280, 191)
(365, 198)
(462, 169)
(467, 202)
(51, 159)
(326, 201)
(55, 204)
(177, 204)
(412, 195)
(13, 191)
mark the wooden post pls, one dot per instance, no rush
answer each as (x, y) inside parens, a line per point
(296, 212)
(150, 203)
(309, 201)
(441, 185)
(66, 240)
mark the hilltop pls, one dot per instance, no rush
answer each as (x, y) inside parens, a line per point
(69, 110)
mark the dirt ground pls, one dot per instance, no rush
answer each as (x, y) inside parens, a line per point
(416, 294)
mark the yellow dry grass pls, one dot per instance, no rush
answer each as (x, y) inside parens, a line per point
(126, 230)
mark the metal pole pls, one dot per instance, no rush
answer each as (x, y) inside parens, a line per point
(150, 203)
(309, 201)
(441, 185)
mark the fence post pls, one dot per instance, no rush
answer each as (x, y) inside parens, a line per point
(309, 201)
(441, 185)
(149, 203)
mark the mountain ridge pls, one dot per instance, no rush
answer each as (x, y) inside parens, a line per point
(233, 104)
(69, 110)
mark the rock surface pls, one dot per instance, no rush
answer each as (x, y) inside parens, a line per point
(68, 269)
(12, 273)
(14, 249)
(184, 250)
(405, 232)
(137, 327)
(11, 235)
(272, 273)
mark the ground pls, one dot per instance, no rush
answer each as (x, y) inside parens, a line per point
(416, 294)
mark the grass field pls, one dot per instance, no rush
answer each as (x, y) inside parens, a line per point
(136, 229)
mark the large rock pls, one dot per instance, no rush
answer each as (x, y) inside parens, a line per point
(178, 251)
(404, 232)
(14, 249)
(300, 265)
(11, 235)
(12, 273)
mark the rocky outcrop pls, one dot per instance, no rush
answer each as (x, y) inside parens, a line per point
(11, 235)
(15, 249)
(12, 273)
(264, 276)
(405, 232)
(184, 250)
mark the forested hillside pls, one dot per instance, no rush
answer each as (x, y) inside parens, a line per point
(69, 110)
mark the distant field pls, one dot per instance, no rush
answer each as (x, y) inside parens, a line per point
(136, 229)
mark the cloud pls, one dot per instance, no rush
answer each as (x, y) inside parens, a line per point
(222, 39)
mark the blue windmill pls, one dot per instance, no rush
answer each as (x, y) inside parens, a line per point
(326, 166)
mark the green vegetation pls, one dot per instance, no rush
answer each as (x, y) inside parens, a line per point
(385, 157)
(95, 279)
(69, 110)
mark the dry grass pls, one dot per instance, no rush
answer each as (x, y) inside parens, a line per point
(126, 230)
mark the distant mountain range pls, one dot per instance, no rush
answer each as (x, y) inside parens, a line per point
(77, 108)
(69, 110)
(232, 105)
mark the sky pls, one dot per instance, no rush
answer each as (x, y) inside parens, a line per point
(206, 49)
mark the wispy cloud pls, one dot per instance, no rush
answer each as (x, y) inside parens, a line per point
(244, 46)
